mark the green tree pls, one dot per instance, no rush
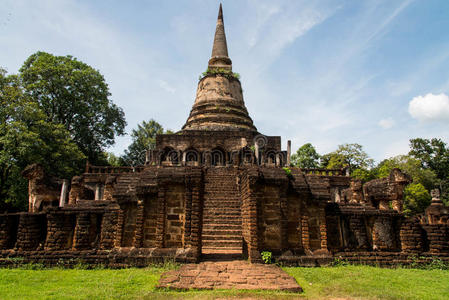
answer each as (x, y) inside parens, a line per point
(143, 138)
(75, 95)
(416, 194)
(416, 199)
(306, 157)
(26, 137)
(409, 165)
(434, 155)
(350, 156)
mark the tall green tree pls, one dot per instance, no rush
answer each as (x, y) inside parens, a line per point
(143, 139)
(306, 157)
(26, 137)
(350, 156)
(434, 155)
(75, 95)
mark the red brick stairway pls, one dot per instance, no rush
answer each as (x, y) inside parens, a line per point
(222, 221)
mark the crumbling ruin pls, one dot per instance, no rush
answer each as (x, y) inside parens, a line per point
(219, 189)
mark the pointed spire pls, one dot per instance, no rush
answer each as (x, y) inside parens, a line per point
(219, 58)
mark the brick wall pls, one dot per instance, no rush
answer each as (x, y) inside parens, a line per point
(32, 231)
(8, 230)
(60, 230)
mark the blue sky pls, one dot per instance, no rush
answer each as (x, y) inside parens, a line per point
(325, 72)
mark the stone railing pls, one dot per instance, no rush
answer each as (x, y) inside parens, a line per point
(112, 170)
(325, 172)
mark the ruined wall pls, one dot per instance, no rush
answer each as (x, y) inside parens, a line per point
(32, 231)
(128, 223)
(175, 216)
(412, 236)
(60, 230)
(249, 211)
(270, 219)
(438, 238)
(8, 230)
(294, 221)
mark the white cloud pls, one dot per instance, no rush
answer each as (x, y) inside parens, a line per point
(166, 86)
(430, 107)
(386, 123)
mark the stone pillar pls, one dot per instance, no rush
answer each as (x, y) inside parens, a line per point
(184, 154)
(289, 152)
(97, 192)
(63, 196)
(278, 160)
(256, 152)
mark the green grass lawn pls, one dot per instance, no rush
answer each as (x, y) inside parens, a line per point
(347, 282)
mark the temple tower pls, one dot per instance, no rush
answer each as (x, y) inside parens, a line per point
(219, 104)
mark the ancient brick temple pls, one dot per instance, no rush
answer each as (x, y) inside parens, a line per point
(219, 189)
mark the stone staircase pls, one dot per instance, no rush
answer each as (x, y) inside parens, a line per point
(222, 221)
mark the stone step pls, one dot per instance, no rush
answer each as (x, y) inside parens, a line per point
(222, 223)
(222, 220)
(220, 237)
(221, 243)
(221, 211)
(213, 226)
(226, 232)
(223, 200)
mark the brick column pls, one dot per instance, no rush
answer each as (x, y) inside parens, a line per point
(31, 231)
(109, 229)
(81, 240)
(411, 235)
(138, 233)
(119, 233)
(161, 212)
(194, 213)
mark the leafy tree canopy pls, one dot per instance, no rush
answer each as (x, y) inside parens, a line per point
(73, 94)
(351, 156)
(143, 139)
(26, 137)
(434, 155)
(411, 166)
(306, 157)
(416, 199)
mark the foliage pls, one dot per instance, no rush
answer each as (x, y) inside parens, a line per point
(266, 257)
(350, 156)
(26, 137)
(364, 174)
(287, 171)
(306, 157)
(409, 165)
(73, 94)
(143, 138)
(416, 199)
(433, 155)
(225, 72)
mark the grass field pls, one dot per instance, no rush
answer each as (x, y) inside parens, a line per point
(343, 282)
